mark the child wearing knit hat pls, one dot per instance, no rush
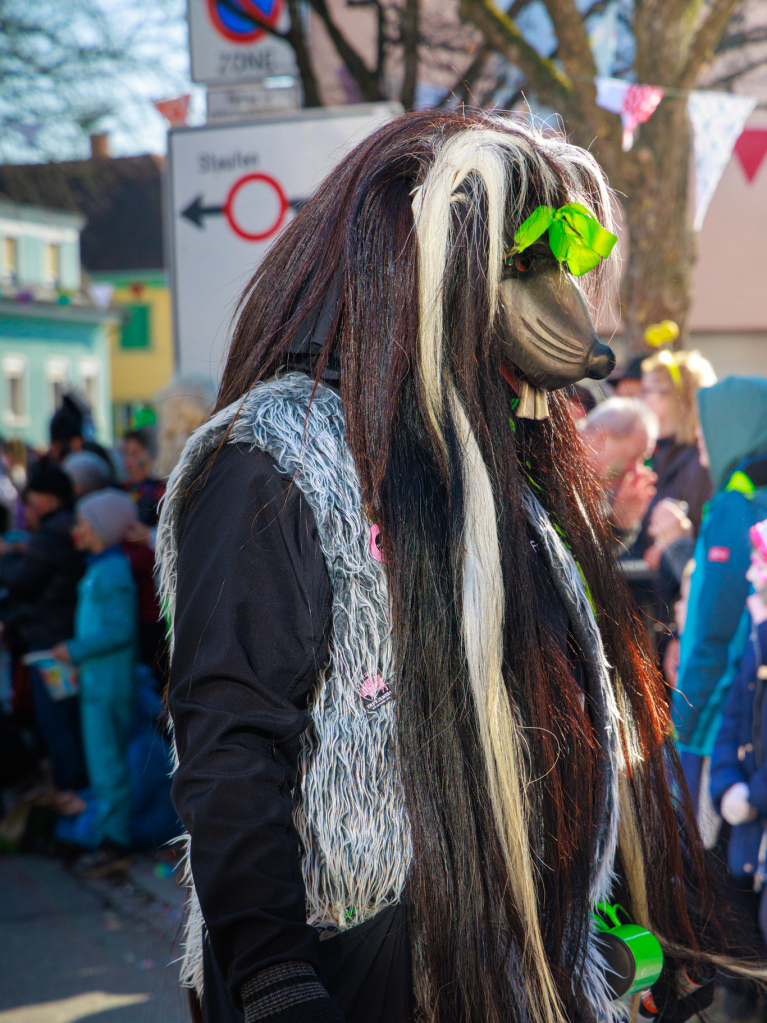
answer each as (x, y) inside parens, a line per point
(104, 647)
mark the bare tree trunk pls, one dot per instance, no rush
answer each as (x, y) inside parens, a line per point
(409, 32)
(297, 40)
(658, 278)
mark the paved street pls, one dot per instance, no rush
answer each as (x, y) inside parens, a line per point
(74, 950)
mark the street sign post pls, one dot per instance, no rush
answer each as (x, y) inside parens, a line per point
(232, 189)
(228, 46)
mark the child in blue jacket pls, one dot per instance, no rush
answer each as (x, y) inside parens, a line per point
(739, 758)
(104, 647)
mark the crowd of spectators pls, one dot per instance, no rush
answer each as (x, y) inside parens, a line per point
(83, 658)
(682, 459)
(683, 462)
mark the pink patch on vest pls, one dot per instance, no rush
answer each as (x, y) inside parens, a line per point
(375, 547)
(374, 692)
(719, 554)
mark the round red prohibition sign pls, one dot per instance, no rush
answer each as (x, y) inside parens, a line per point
(282, 199)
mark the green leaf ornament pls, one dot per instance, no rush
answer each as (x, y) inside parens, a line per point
(575, 236)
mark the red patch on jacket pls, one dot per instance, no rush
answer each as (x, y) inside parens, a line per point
(719, 554)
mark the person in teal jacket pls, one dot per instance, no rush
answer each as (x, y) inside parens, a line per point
(733, 421)
(105, 648)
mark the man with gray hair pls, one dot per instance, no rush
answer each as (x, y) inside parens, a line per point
(619, 436)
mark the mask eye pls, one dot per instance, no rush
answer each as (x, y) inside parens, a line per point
(523, 261)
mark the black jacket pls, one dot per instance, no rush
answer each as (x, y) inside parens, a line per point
(43, 580)
(253, 615)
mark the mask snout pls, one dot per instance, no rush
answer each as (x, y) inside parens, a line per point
(601, 361)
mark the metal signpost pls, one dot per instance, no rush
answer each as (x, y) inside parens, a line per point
(232, 189)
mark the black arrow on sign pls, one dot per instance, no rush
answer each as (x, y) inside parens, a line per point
(196, 211)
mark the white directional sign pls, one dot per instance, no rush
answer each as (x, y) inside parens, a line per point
(228, 44)
(232, 189)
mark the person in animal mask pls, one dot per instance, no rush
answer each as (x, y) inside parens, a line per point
(420, 737)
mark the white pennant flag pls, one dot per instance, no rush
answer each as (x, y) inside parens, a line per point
(717, 120)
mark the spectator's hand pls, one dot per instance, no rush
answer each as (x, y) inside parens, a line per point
(757, 607)
(633, 496)
(736, 808)
(61, 653)
(652, 556)
(668, 523)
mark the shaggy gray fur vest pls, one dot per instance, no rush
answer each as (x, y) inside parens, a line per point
(350, 814)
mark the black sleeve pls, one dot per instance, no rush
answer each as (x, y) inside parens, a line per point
(251, 630)
(27, 576)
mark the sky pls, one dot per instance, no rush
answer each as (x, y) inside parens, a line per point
(140, 128)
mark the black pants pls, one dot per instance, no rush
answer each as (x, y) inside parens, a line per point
(366, 970)
(59, 724)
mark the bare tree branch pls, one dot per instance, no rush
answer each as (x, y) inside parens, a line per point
(502, 35)
(706, 39)
(305, 68)
(578, 61)
(463, 84)
(733, 76)
(367, 80)
(739, 40)
(409, 33)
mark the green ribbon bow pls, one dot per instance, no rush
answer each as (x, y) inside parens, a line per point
(575, 236)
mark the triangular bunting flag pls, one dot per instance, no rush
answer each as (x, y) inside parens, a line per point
(610, 93)
(639, 105)
(717, 120)
(751, 148)
(174, 111)
(635, 103)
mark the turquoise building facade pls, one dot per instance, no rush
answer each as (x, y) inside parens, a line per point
(54, 339)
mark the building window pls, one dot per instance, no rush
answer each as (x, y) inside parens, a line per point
(15, 372)
(52, 264)
(89, 377)
(57, 371)
(136, 331)
(10, 259)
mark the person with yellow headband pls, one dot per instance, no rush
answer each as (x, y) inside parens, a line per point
(670, 383)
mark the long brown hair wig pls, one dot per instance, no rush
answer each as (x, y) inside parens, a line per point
(500, 758)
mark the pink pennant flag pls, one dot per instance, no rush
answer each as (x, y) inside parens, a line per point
(174, 111)
(751, 149)
(639, 105)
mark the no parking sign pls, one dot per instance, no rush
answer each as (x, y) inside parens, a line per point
(232, 189)
(228, 44)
